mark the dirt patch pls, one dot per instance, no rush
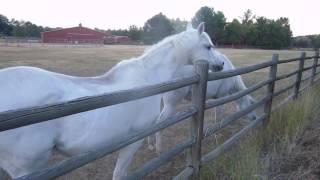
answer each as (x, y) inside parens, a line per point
(302, 161)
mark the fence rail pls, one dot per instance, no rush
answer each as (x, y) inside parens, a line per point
(22, 117)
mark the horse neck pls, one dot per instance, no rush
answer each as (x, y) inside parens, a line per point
(160, 64)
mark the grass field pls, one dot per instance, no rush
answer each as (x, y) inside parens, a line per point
(91, 61)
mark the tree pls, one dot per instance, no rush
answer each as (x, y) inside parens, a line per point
(135, 32)
(215, 22)
(156, 28)
(247, 17)
(233, 33)
(315, 41)
(302, 42)
(247, 31)
(5, 26)
(179, 25)
(273, 34)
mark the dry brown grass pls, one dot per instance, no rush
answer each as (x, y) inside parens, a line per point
(287, 148)
(90, 61)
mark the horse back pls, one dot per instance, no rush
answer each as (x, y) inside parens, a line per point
(27, 86)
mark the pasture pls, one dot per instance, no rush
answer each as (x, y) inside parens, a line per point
(90, 61)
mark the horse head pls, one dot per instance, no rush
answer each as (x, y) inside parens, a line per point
(194, 45)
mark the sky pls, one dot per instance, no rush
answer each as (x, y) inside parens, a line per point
(116, 14)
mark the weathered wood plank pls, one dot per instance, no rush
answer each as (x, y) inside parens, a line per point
(216, 102)
(231, 141)
(77, 161)
(18, 118)
(303, 88)
(307, 68)
(277, 93)
(279, 105)
(160, 160)
(230, 119)
(315, 64)
(299, 75)
(185, 174)
(286, 75)
(270, 87)
(306, 78)
(238, 71)
(282, 61)
(198, 98)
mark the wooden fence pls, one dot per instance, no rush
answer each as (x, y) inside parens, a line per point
(22, 117)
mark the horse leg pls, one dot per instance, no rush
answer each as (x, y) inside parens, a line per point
(150, 146)
(18, 165)
(124, 159)
(165, 113)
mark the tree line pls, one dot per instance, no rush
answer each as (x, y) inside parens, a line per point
(310, 41)
(247, 31)
(20, 28)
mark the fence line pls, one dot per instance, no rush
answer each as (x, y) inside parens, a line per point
(17, 118)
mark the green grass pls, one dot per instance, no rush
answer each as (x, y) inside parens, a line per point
(253, 157)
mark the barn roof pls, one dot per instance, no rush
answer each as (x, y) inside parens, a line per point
(79, 28)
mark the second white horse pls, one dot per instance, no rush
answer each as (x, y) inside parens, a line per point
(215, 89)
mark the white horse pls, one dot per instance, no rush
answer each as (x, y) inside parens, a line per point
(26, 149)
(215, 89)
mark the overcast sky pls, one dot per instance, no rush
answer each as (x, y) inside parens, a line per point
(114, 14)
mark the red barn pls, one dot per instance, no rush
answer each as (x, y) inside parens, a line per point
(74, 35)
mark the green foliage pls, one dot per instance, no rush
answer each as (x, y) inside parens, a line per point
(251, 31)
(156, 28)
(272, 34)
(26, 29)
(19, 28)
(315, 40)
(233, 33)
(5, 26)
(119, 32)
(179, 25)
(311, 41)
(215, 22)
(135, 33)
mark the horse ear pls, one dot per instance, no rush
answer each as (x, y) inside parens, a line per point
(201, 28)
(189, 26)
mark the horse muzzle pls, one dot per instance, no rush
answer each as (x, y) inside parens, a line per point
(216, 68)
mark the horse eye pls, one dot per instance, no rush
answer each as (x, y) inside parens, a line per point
(208, 47)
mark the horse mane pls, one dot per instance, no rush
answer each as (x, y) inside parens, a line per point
(151, 51)
(163, 43)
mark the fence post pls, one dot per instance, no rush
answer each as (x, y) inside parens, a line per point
(314, 66)
(199, 92)
(270, 88)
(299, 75)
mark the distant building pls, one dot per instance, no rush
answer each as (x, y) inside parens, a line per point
(74, 35)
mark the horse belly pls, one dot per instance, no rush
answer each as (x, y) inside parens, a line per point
(99, 128)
